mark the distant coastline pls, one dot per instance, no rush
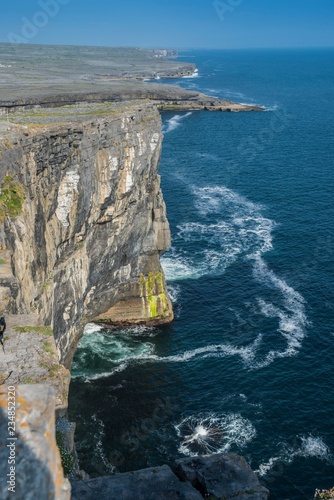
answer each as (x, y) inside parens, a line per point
(72, 75)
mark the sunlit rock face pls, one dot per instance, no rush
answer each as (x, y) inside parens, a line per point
(86, 242)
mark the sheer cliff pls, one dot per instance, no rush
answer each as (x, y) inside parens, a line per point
(82, 218)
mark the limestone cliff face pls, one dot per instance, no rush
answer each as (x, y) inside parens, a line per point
(90, 221)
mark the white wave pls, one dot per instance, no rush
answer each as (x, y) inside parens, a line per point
(229, 227)
(88, 377)
(194, 75)
(174, 122)
(119, 352)
(268, 466)
(137, 331)
(314, 447)
(304, 446)
(98, 452)
(177, 269)
(249, 104)
(213, 433)
(242, 231)
(222, 196)
(292, 320)
(174, 293)
(239, 230)
(101, 354)
(91, 328)
(246, 353)
(272, 108)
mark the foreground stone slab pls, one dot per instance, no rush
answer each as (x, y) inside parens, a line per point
(35, 464)
(158, 483)
(221, 477)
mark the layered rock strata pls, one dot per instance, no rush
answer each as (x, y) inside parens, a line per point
(166, 97)
(83, 219)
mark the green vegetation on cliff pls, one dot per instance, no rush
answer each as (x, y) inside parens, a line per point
(67, 458)
(11, 198)
(45, 330)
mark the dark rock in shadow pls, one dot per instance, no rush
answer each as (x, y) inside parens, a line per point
(221, 476)
(147, 484)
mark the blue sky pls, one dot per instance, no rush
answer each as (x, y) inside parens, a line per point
(170, 23)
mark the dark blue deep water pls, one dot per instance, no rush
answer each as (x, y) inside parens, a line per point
(248, 364)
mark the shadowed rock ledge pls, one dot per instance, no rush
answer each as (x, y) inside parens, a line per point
(216, 477)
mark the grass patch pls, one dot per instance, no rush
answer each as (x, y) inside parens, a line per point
(48, 348)
(28, 380)
(2, 261)
(54, 369)
(51, 369)
(11, 198)
(44, 330)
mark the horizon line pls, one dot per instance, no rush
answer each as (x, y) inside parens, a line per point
(160, 47)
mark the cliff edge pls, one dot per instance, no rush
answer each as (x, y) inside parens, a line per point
(82, 218)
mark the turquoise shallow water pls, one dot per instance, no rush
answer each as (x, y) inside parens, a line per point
(247, 365)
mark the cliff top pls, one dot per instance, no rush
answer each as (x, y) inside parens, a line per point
(46, 75)
(70, 113)
(40, 71)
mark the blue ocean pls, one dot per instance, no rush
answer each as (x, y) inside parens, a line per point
(248, 364)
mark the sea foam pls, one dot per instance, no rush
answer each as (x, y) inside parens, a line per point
(194, 75)
(303, 447)
(213, 433)
(174, 122)
(242, 231)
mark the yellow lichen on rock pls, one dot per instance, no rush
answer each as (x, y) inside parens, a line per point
(154, 295)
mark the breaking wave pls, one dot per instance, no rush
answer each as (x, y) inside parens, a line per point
(212, 433)
(194, 75)
(231, 227)
(174, 122)
(304, 446)
(102, 353)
